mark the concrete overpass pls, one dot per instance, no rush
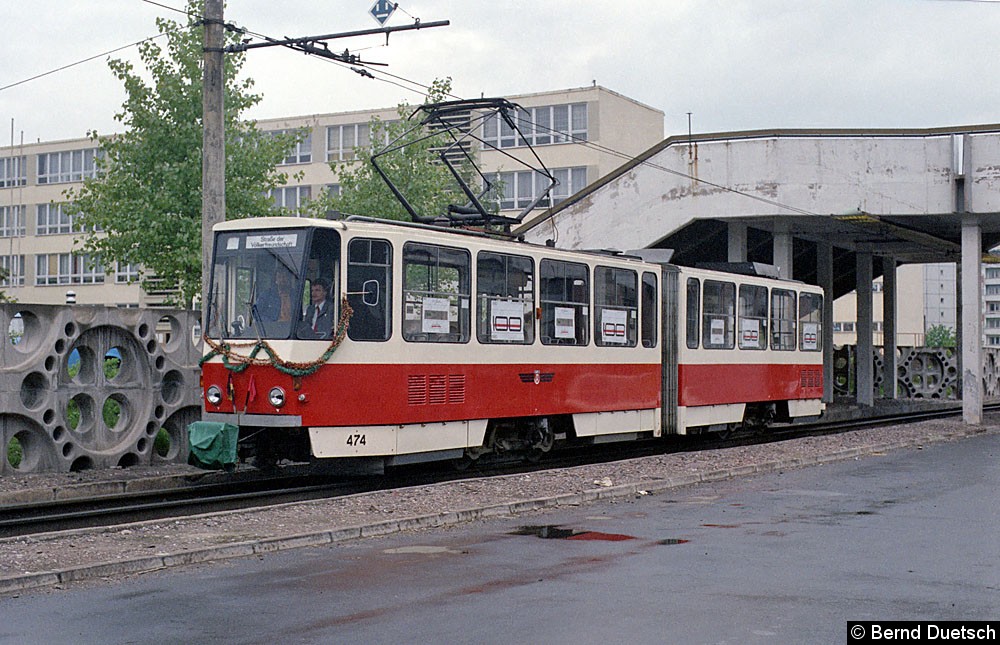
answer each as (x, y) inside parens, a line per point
(822, 205)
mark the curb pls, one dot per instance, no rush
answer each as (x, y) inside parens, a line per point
(446, 518)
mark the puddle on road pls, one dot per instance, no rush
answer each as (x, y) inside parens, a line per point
(553, 532)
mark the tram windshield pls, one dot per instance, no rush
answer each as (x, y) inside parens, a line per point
(274, 284)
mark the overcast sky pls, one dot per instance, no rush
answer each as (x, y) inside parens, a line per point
(734, 64)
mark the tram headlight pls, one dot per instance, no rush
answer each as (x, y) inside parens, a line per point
(276, 396)
(214, 394)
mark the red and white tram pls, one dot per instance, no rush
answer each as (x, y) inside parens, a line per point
(394, 343)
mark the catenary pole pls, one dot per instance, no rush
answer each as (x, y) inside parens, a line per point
(213, 170)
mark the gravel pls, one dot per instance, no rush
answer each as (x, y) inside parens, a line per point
(60, 557)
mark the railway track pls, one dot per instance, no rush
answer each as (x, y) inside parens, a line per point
(111, 510)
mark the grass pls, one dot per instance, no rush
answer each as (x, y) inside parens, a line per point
(14, 452)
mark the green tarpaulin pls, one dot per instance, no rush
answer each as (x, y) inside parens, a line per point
(213, 445)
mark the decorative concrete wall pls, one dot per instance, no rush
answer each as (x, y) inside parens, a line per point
(922, 372)
(93, 387)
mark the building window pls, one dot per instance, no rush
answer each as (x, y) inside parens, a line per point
(13, 266)
(849, 327)
(302, 151)
(66, 166)
(539, 126)
(13, 172)
(341, 141)
(992, 273)
(521, 188)
(67, 268)
(11, 221)
(290, 197)
(993, 290)
(53, 219)
(126, 273)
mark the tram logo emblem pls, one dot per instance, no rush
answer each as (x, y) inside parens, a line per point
(537, 377)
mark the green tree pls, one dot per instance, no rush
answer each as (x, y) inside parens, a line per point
(145, 203)
(940, 336)
(414, 167)
(3, 294)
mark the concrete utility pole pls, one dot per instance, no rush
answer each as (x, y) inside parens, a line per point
(213, 169)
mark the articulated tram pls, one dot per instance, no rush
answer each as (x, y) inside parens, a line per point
(380, 343)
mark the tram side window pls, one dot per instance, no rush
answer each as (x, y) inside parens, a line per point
(753, 316)
(564, 294)
(616, 307)
(369, 289)
(719, 315)
(505, 287)
(811, 322)
(693, 308)
(783, 319)
(649, 308)
(436, 294)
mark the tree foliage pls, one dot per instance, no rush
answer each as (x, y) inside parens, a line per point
(940, 336)
(145, 204)
(413, 165)
(4, 274)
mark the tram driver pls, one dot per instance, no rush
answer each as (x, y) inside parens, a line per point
(318, 320)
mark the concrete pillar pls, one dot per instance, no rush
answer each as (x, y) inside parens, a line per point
(865, 380)
(737, 242)
(783, 250)
(972, 332)
(824, 270)
(889, 328)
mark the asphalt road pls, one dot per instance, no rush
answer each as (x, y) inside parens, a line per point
(782, 558)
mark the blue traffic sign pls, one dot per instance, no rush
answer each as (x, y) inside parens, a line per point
(381, 10)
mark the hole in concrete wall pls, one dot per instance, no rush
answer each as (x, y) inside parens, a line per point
(151, 346)
(67, 449)
(48, 416)
(160, 362)
(50, 363)
(33, 390)
(141, 444)
(81, 365)
(158, 412)
(168, 332)
(128, 460)
(70, 329)
(81, 463)
(24, 331)
(143, 330)
(58, 433)
(80, 413)
(162, 443)
(60, 346)
(113, 362)
(173, 387)
(115, 412)
(14, 452)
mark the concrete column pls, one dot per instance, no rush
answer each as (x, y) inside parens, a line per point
(783, 250)
(865, 380)
(737, 242)
(889, 327)
(971, 331)
(824, 270)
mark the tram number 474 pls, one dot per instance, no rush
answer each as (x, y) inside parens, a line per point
(356, 440)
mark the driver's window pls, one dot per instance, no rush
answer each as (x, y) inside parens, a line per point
(369, 289)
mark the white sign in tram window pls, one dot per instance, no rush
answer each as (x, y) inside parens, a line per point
(749, 332)
(810, 336)
(436, 315)
(506, 320)
(614, 323)
(718, 332)
(283, 241)
(565, 322)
